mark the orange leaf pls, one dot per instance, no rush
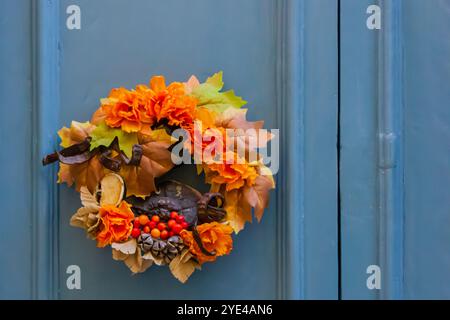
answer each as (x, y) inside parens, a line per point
(257, 196)
(86, 174)
(156, 161)
(238, 212)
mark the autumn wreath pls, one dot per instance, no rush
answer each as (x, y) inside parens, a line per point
(117, 161)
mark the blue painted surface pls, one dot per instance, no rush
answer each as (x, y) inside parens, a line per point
(269, 53)
(427, 154)
(15, 172)
(358, 170)
(394, 149)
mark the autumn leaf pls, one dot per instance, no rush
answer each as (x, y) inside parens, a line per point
(133, 261)
(183, 266)
(238, 212)
(191, 84)
(88, 199)
(104, 136)
(249, 135)
(216, 80)
(156, 135)
(156, 161)
(87, 217)
(257, 196)
(128, 247)
(77, 133)
(210, 96)
(239, 202)
(88, 173)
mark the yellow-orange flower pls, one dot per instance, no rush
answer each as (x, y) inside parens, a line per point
(235, 175)
(171, 103)
(215, 237)
(137, 110)
(115, 224)
(125, 109)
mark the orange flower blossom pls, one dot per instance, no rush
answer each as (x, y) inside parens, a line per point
(215, 237)
(115, 223)
(136, 110)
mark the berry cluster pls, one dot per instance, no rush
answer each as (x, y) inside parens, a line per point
(158, 228)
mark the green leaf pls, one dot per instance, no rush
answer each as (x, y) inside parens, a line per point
(208, 95)
(104, 136)
(216, 80)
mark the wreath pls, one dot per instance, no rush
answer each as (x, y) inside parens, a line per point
(118, 160)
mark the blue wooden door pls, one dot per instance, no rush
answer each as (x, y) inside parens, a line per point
(395, 159)
(280, 55)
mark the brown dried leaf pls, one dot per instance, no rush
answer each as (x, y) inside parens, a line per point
(86, 174)
(182, 266)
(262, 186)
(156, 161)
(239, 202)
(88, 199)
(86, 218)
(238, 212)
(149, 256)
(133, 261)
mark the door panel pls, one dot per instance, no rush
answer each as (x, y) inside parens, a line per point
(270, 55)
(121, 44)
(395, 159)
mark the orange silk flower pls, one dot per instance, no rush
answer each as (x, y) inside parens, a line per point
(215, 237)
(126, 109)
(234, 175)
(136, 110)
(171, 103)
(115, 224)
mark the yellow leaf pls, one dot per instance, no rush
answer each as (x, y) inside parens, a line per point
(77, 133)
(238, 212)
(133, 261)
(183, 266)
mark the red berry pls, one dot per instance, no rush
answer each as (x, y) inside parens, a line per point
(184, 225)
(136, 223)
(155, 218)
(180, 219)
(161, 226)
(173, 215)
(171, 233)
(171, 223)
(164, 234)
(177, 228)
(146, 229)
(136, 232)
(152, 225)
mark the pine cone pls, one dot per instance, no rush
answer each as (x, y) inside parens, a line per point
(145, 241)
(165, 249)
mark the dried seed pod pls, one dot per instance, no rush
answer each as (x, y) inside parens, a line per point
(112, 189)
(145, 241)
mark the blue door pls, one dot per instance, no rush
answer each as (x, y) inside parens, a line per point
(282, 56)
(395, 159)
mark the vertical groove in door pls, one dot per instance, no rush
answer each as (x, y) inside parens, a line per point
(338, 147)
